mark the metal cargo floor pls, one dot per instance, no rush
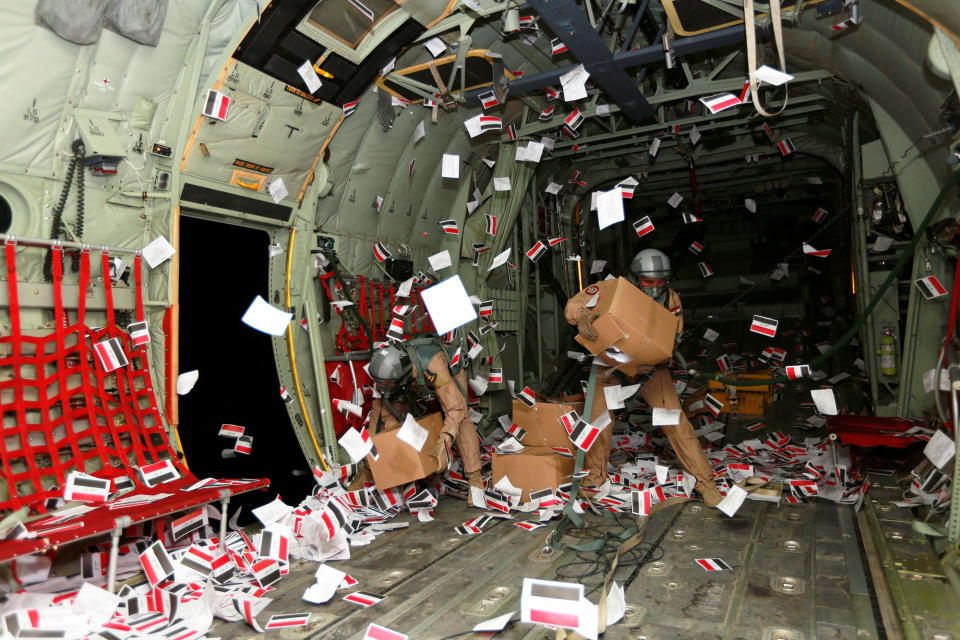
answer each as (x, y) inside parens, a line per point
(797, 574)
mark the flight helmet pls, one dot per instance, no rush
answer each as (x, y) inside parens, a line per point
(651, 271)
(390, 366)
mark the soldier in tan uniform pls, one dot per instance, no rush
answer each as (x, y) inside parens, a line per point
(417, 370)
(650, 271)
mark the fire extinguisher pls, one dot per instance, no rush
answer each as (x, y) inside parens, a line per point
(888, 353)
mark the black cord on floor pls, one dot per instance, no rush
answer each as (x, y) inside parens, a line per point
(591, 567)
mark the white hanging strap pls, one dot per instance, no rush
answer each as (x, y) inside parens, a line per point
(750, 23)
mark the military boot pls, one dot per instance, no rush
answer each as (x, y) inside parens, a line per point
(711, 497)
(474, 479)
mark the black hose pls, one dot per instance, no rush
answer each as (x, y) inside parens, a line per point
(56, 226)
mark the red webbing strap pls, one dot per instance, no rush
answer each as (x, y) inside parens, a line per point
(122, 379)
(108, 290)
(144, 404)
(138, 283)
(87, 372)
(62, 368)
(15, 348)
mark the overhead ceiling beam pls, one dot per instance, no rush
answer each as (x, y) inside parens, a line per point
(639, 57)
(698, 88)
(573, 28)
(798, 106)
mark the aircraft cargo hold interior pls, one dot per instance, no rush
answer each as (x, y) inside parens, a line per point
(442, 319)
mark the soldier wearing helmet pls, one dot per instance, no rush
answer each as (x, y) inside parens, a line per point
(650, 272)
(415, 371)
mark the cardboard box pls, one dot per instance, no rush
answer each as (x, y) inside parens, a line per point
(634, 323)
(400, 463)
(542, 423)
(532, 469)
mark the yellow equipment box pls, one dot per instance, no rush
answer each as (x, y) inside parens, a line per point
(749, 401)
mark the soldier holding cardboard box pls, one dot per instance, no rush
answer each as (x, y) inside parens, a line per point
(623, 328)
(420, 367)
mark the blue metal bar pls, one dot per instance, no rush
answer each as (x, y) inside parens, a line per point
(643, 56)
(572, 27)
(635, 25)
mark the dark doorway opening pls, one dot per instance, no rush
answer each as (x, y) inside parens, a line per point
(222, 268)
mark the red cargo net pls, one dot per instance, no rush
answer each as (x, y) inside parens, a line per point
(61, 410)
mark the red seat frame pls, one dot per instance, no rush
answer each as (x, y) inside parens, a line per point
(62, 412)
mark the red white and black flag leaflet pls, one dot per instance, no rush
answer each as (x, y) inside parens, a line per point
(786, 147)
(557, 604)
(380, 252)
(713, 564)
(86, 488)
(764, 326)
(363, 599)
(819, 215)
(449, 226)
(188, 523)
(930, 287)
(517, 431)
(286, 620)
(158, 473)
(723, 363)
(139, 333)
(156, 563)
(643, 226)
(574, 119)
(231, 430)
(705, 269)
(527, 397)
(536, 251)
(795, 371)
(111, 354)
(719, 102)
(216, 105)
(583, 434)
(713, 405)
(244, 445)
(557, 47)
(491, 224)
(376, 632)
(266, 572)
(488, 99)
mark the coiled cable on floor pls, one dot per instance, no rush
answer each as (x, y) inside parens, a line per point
(589, 568)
